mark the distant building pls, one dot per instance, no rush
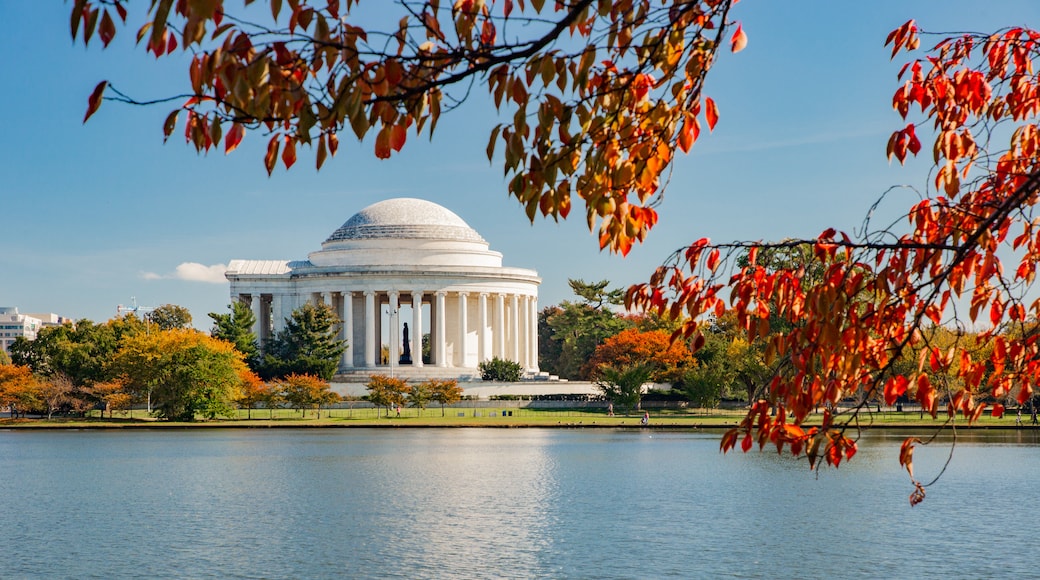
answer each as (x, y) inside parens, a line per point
(14, 325)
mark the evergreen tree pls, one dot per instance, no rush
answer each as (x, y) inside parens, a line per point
(236, 327)
(306, 346)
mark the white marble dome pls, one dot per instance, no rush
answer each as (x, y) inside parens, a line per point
(405, 218)
(405, 232)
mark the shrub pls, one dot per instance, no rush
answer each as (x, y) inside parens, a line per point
(497, 369)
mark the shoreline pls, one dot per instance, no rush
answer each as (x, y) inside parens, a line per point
(423, 423)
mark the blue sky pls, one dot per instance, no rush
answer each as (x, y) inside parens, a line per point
(94, 214)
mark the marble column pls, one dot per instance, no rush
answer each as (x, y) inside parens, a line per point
(482, 349)
(370, 329)
(500, 326)
(347, 331)
(532, 337)
(463, 324)
(525, 332)
(514, 326)
(440, 337)
(417, 329)
(256, 304)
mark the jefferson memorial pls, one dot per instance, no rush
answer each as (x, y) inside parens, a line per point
(397, 270)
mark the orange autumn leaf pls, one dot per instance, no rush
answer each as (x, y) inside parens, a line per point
(738, 40)
(711, 113)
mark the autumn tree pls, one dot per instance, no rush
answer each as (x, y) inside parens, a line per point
(444, 392)
(253, 391)
(384, 391)
(169, 317)
(236, 327)
(182, 371)
(113, 395)
(5, 359)
(665, 358)
(599, 94)
(305, 392)
(945, 267)
(56, 393)
(19, 389)
(308, 344)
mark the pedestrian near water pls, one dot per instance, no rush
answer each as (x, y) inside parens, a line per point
(646, 418)
(610, 409)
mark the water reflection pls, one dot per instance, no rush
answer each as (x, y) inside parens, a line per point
(500, 504)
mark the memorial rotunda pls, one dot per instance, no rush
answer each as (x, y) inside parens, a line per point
(417, 268)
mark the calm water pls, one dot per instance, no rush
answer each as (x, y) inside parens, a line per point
(490, 503)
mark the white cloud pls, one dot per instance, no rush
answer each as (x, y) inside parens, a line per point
(192, 272)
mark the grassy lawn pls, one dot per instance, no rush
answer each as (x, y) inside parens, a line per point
(479, 417)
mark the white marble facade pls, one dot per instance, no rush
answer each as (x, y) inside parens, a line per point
(417, 259)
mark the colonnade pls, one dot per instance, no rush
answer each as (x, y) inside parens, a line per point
(466, 326)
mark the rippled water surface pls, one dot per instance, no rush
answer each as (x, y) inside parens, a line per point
(490, 503)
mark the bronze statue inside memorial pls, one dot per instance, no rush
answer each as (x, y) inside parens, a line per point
(406, 356)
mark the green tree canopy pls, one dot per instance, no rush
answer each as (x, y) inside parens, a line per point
(577, 328)
(169, 317)
(624, 385)
(79, 351)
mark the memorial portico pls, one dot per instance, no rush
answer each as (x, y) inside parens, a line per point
(403, 261)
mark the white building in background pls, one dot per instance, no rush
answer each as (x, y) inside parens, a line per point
(404, 262)
(14, 325)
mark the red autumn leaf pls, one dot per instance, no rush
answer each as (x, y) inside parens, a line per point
(998, 411)
(233, 137)
(107, 28)
(906, 454)
(170, 124)
(745, 444)
(691, 128)
(729, 440)
(894, 388)
(289, 152)
(95, 100)
(739, 39)
(996, 312)
(272, 154)
(398, 134)
(713, 259)
(711, 113)
(333, 143)
(383, 143)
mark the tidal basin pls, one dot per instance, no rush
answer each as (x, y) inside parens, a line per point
(503, 503)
